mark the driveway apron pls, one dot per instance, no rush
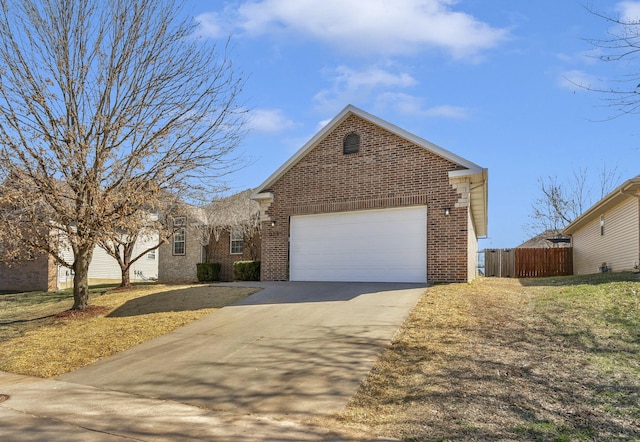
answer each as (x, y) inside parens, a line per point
(294, 348)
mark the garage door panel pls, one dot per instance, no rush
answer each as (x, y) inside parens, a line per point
(375, 245)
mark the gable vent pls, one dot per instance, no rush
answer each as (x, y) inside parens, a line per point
(351, 143)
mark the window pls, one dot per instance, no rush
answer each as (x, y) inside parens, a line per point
(151, 255)
(180, 221)
(351, 143)
(236, 241)
(179, 241)
(601, 225)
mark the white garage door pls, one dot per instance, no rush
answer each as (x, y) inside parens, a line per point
(365, 246)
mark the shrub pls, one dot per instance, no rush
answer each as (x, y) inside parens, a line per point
(246, 270)
(208, 271)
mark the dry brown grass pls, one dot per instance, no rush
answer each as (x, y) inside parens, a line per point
(499, 359)
(503, 360)
(124, 319)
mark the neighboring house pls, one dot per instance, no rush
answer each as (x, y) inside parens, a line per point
(27, 275)
(105, 269)
(180, 254)
(225, 231)
(607, 236)
(364, 200)
(42, 273)
(548, 239)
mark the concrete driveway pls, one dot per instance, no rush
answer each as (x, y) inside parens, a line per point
(260, 370)
(294, 348)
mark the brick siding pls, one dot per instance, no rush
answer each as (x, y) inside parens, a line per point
(27, 275)
(182, 268)
(387, 172)
(179, 268)
(220, 252)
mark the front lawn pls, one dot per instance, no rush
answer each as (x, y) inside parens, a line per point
(40, 337)
(554, 359)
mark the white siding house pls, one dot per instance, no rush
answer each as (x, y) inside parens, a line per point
(104, 268)
(607, 236)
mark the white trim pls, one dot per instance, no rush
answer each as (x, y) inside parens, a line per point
(262, 196)
(231, 241)
(181, 231)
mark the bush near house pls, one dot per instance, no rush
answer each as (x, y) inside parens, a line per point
(208, 271)
(246, 270)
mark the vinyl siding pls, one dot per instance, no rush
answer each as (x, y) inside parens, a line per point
(104, 267)
(619, 246)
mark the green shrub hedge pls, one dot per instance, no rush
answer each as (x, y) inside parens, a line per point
(246, 270)
(208, 271)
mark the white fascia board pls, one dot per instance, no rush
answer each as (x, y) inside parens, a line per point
(262, 196)
(479, 195)
(470, 167)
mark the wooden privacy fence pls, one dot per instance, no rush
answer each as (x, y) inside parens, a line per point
(500, 263)
(535, 263)
(529, 263)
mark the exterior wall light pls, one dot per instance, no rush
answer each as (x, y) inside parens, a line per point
(447, 211)
(273, 223)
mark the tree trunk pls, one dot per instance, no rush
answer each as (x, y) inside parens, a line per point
(206, 252)
(125, 265)
(126, 279)
(81, 278)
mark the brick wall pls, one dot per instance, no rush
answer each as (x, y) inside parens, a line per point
(388, 171)
(220, 252)
(182, 268)
(37, 274)
(179, 268)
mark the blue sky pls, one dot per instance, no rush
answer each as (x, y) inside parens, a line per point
(493, 82)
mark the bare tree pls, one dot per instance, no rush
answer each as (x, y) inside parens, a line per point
(560, 202)
(105, 106)
(151, 226)
(121, 248)
(623, 46)
(237, 211)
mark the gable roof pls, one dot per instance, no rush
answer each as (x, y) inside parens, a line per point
(467, 168)
(545, 240)
(630, 188)
(343, 115)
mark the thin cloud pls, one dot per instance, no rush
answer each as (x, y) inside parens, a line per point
(589, 57)
(269, 121)
(629, 11)
(372, 77)
(210, 25)
(375, 27)
(576, 79)
(410, 105)
(356, 86)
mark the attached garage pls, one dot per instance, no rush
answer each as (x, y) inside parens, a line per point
(366, 201)
(364, 246)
